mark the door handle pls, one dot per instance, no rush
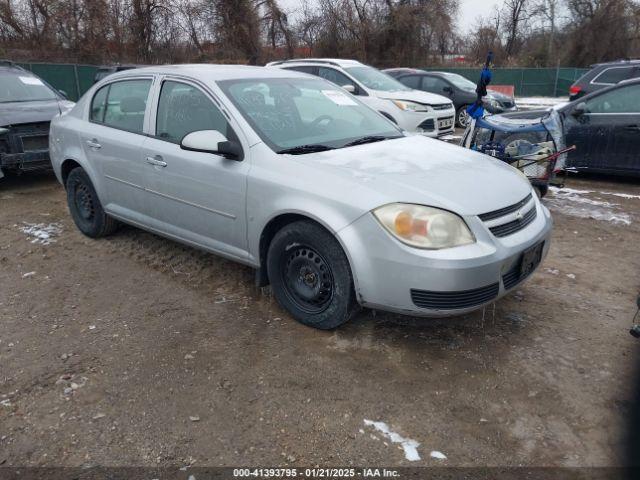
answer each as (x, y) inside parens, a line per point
(94, 144)
(157, 161)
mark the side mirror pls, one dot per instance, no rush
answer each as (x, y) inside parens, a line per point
(579, 110)
(349, 88)
(211, 141)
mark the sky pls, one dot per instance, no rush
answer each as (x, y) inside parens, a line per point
(470, 10)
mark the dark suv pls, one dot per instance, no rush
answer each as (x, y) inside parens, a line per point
(27, 105)
(604, 75)
(460, 90)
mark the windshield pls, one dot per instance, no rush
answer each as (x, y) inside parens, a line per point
(376, 80)
(461, 82)
(23, 88)
(295, 112)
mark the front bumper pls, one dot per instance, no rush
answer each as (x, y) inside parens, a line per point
(387, 271)
(429, 124)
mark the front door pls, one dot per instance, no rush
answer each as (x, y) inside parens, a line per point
(198, 197)
(608, 133)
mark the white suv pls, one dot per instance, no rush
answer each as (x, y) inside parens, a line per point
(413, 110)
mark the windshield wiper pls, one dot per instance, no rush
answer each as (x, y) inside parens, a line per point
(302, 149)
(368, 139)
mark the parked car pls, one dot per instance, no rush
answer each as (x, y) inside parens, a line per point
(332, 204)
(603, 75)
(412, 110)
(461, 91)
(604, 126)
(27, 105)
(106, 70)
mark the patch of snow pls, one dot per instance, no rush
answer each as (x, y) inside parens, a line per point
(42, 233)
(552, 271)
(409, 446)
(574, 202)
(438, 455)
(571, 276)
(28, 274)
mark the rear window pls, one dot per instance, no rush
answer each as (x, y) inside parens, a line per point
(613, 75)
(24, 87)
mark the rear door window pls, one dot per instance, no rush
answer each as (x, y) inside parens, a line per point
(304, 69)
(121, 105)
(411, 81)
(613, 75)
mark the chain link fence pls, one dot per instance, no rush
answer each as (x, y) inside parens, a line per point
(528, 82)
(74, 80)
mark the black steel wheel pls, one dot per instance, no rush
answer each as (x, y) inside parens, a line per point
(307, 279)
(85, 207)
(311, 276)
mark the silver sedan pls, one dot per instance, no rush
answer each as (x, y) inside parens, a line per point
(330, 202)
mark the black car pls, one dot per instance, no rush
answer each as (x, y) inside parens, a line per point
(27, 105)
(460, 90)
(605, 126)
(603, 75)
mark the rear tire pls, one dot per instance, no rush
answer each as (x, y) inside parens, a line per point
(85, 207)
(310, 276)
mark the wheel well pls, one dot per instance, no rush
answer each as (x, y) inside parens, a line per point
(67, 167)
(274, 226)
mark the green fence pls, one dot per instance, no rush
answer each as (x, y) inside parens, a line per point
(529, 82)
(74, 80)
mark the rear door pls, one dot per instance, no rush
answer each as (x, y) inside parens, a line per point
(113, 139)
(198, 197)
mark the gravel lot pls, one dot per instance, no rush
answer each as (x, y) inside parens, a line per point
(134, 350)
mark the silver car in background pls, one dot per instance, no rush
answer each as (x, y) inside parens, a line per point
(327, 199)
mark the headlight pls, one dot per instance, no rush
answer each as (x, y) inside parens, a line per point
(494, 103)
(411, 106)
(3, 130)
(424, 227)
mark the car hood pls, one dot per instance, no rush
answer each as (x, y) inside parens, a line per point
(425, 171)
(413, 96)
(15, 113)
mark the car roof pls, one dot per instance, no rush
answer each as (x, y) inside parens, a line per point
(210, 72)
(616, 63)
(339, 62)
(403, 70)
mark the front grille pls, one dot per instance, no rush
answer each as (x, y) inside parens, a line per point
(516, 225)
(428, 125)
(454, 300)
(30, 144)
(30, 128)
(441, 106)
(511, 278)
(4, 146)
(485, 217)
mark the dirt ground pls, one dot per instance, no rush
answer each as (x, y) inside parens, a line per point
(135, 350)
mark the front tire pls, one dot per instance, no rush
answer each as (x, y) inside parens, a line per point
(85, 207)
(310, 276)
(462, 117)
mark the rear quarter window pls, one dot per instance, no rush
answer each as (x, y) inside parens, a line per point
(613, 75)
